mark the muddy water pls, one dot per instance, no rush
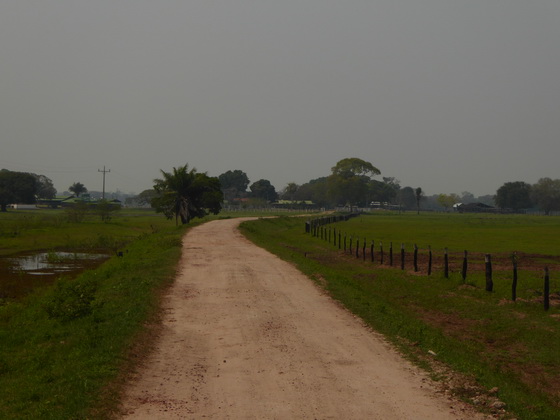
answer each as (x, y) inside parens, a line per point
(21, 274)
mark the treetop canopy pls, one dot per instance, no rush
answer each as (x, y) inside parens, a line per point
(350, 167)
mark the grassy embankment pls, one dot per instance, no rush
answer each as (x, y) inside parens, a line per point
(64, 349)
(493, 341)
(64, 346)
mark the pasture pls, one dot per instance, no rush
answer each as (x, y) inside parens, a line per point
(491, 340)
(32, 230)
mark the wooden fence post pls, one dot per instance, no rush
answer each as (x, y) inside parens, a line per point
(372, 248)
(514, 282)
(357, 247)
(445, 264)
(488, 264)
(345, 243)
(546, 289)
(391, 254)
(402, 256)
(364, 250)
(415, 258)
(464, 269)
(339, 235)
(334, 236)
(429, 260)
(381, 253)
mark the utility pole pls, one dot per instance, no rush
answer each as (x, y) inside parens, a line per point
(104, 172)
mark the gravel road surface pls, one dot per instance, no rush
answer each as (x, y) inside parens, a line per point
(247, 336)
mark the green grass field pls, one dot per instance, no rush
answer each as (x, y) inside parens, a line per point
(493, 341)
(473, 232)
(64, 347)
(31, 230)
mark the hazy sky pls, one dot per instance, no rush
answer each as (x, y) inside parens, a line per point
(448, 95)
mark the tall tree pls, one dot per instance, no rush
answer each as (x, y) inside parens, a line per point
(447, 200)
(349, 167)
(16, 187)
(407, 198)
(546, 194)
(384, 192)
(234, 184)
(419, 194)
(316, 190)
(290, 191)
(514, 195)
(467, 197)
(263, 189)
(45, 187)
(487, 199)
(349, 181)
(146, 196)
(185, 194)
(77, 188)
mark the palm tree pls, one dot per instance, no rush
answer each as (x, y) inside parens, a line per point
(187, 194)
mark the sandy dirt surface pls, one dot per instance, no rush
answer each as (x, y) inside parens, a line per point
(247, 336)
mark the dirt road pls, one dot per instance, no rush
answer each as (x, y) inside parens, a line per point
(247, 336)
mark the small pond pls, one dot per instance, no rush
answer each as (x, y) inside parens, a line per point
(21, 274)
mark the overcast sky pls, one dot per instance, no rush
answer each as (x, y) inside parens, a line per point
(447, 95)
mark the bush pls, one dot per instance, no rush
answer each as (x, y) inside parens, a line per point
(105, 210)
(77, 212)
(72, 299)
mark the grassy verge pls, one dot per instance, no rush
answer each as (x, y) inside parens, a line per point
(490, 340)
(64, 346)
(65, 350)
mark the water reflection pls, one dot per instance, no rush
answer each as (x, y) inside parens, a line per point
(21, 274)
(51, 262)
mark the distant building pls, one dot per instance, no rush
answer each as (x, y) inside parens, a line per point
(294, 204)
(475, 208)
(72, 201)
(23, 206)
(56, 202)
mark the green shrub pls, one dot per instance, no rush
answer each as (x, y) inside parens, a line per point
(72, 299)
(77, 213)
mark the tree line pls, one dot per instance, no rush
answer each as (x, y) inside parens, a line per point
(185, 193)
(544, 195)
(351, 183)
(29, 188)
